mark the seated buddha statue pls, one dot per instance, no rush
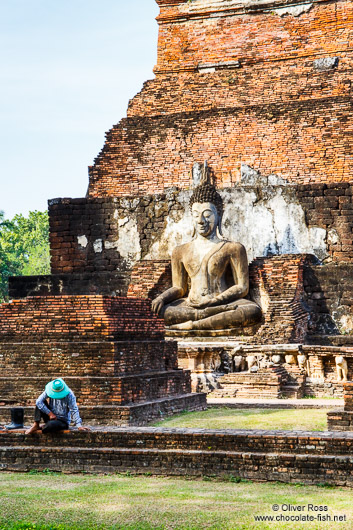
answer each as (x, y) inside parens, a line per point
(217, 270)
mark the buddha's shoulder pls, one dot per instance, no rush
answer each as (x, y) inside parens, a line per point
(233, 246)
(181, 249)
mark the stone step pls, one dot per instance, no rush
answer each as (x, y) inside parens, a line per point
(237, 390)
(293, 391)
(251, 384)
(208, 440)
(258, 466)
(134, 414)
(307, 457)
(244, 379)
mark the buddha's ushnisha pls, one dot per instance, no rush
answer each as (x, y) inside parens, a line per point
(218, 272)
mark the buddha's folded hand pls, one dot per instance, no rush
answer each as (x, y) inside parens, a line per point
(204, 301)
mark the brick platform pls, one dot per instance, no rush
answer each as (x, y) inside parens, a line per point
(297, 457)
(110, 350)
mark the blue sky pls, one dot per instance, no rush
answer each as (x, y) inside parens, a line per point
(68, 70)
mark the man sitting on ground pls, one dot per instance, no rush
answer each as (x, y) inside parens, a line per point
(55, 406)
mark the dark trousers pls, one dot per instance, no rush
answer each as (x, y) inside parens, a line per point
(50, 425)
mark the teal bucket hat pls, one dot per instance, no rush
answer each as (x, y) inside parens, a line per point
(57, 389)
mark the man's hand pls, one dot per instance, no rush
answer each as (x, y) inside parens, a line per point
(52, 416)
(82, 428)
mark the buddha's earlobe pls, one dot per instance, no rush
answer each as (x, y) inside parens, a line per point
(219, 226)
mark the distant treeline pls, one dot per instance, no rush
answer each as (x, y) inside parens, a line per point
(24, 247)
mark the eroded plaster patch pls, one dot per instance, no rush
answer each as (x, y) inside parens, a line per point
(82, 241)
(98, 246)
(200, 5)
(265, 219)
(345, 324)
(123, 221)
(333, 237)
(174, 234)
(128, 242)
(109, 245)
(295, 11)
(270, 221)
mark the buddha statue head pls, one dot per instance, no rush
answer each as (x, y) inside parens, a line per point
(206, 207)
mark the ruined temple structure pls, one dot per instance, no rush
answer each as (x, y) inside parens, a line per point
(262, 90)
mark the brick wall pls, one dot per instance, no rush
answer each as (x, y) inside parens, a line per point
(330, 206)
(64, 318)
(103, 359)
(342, 420)
(266, 101)
(190, 36)
(110, 283)
(150, 278)
(70, 219)
(278, 282)
(328, 294)
(93, 235)
(288, 81)
(110, 350)
(155, 153)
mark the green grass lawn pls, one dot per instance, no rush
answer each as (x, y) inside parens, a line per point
(228, 418)
(144, 502)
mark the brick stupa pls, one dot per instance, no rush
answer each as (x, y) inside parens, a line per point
(262, 91)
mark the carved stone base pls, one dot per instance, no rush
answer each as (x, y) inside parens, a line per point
(310, 370)
(205, 381)
(233, 332)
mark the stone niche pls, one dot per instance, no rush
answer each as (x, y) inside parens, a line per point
(109, 234)
(126, 230)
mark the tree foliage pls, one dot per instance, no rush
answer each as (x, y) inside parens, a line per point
(24, 247)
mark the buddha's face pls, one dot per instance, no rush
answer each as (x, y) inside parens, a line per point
(205, 218)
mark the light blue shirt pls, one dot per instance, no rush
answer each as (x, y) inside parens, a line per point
(62, 408)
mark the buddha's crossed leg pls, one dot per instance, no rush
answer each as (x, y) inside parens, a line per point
(179, 315)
